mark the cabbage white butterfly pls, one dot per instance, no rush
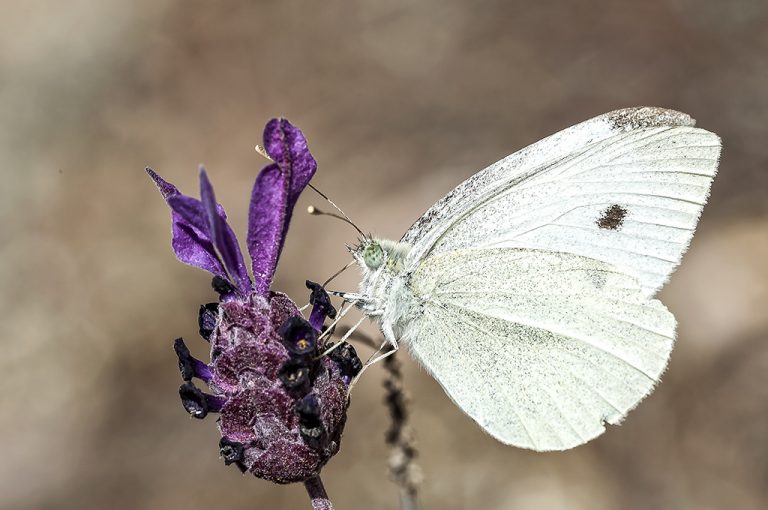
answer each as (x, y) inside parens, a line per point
(527, 291)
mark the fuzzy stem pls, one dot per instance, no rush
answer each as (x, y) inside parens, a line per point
(317, 494)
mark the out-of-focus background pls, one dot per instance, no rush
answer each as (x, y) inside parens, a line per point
(400, 101)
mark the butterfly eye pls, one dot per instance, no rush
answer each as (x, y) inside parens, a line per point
(373, 255)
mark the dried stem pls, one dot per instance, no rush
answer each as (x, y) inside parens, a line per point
(317, 494)
(402, 468)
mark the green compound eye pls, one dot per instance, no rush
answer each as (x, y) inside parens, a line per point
(373, 256)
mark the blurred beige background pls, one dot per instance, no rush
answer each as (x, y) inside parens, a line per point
(400, 101)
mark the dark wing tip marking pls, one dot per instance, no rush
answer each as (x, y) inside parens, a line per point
(648, 117)
(612, 218)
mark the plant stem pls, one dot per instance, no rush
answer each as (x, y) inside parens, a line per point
(408, 500)
(403, 469)
(317, 494)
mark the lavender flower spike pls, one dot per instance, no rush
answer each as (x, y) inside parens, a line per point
(282, 408)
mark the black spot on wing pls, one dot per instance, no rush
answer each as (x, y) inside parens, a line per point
(612, 218)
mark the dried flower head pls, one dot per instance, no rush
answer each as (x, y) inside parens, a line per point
(282, 406)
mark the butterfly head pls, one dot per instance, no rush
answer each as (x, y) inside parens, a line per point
(369, 253)
(373, 254)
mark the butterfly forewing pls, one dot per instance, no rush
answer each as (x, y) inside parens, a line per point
(631, 197)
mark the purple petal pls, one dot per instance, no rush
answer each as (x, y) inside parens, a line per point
(298, 336)
(206, 319)
(190, 244)
(321, 305)
(231, 451)
(347, 360)
(199, 404)
(266, 218)
(193, 248)
(192, 212)
(274, 195)
(287, 146)
(166, 188)
(223, 237)
(189, 366)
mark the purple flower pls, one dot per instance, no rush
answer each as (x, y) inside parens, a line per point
(282, 407)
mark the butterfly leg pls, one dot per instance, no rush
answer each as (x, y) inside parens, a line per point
(339, 316)
(348, 296)
(344, 338)
(372, 360)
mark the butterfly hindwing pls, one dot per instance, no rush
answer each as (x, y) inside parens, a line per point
(539, 348)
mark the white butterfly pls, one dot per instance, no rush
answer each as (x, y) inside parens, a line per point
(527, 290)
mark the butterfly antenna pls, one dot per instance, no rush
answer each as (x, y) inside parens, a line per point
(314, 211)
(263, 152)
(317, 212)
(337, 273)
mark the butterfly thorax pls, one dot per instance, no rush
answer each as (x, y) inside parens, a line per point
(383, 283)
